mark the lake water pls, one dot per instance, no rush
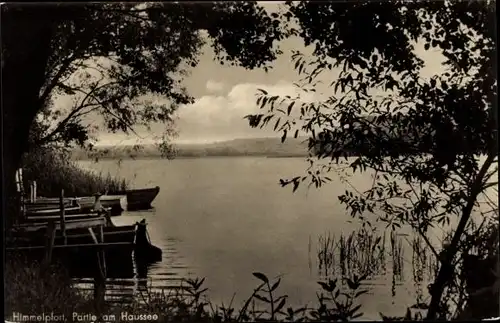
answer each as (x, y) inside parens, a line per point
(224, 218)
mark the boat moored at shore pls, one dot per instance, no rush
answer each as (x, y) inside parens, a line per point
(117, 203)
(140, 199)
(124, 243)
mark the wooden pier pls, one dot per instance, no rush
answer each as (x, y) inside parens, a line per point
(77, 238)
(51, 224)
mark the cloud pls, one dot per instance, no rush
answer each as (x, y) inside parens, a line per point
(220, 117)
(219, 110)
(214, 86)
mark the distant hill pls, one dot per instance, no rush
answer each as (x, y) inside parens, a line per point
(268, 147)
(404, 139)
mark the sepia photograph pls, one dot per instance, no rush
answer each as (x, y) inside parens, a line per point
(246, 161)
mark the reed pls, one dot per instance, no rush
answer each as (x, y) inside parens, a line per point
(379, 255)
(53, 171)
(424, 266)
(397, 254)
(360, 252)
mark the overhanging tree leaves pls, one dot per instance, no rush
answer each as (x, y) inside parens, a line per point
(143, 50)
(422, 137)
(140, 49)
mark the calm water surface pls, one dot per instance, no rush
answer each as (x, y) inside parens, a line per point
(224, 218)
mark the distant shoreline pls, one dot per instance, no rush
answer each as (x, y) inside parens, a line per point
(186, 157)
(256, 147)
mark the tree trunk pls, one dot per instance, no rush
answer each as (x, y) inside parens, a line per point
(447, 269)
(26, 37)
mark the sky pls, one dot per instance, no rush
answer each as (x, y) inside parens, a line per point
(225, 94)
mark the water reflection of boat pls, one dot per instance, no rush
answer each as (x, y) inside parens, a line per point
(146, 252)
(123, 284)
(141, 269)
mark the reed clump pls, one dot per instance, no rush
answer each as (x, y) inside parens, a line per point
(53, 170)
(363, 252)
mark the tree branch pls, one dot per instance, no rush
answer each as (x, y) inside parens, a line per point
(55, 80)
(59, 127)
(79, 108)
(127, 124)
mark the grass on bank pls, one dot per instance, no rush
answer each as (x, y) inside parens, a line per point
(53, 170)
(32, 290)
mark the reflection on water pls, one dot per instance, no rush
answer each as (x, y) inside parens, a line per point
(382, 257)
(362, 253)
(128, 279)
(379, 257)
(224, 218)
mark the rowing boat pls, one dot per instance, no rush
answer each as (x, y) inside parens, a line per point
(140, 199)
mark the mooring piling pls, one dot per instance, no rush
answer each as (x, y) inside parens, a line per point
(63, 218)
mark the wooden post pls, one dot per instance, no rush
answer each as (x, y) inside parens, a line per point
(92, 234)
(102, 253)
(100, 279)
(101, 262)
(18, 186)
(20, 194)
(34, 191)
(19, 180)
(63, 218)
(50, 234)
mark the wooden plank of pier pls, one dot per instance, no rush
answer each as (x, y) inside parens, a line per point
(34, 218)
(63, 220)
(98, 246)
(84, 235)
(70, 224)
(52, 225)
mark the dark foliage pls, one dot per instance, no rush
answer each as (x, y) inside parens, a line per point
(427, 133)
